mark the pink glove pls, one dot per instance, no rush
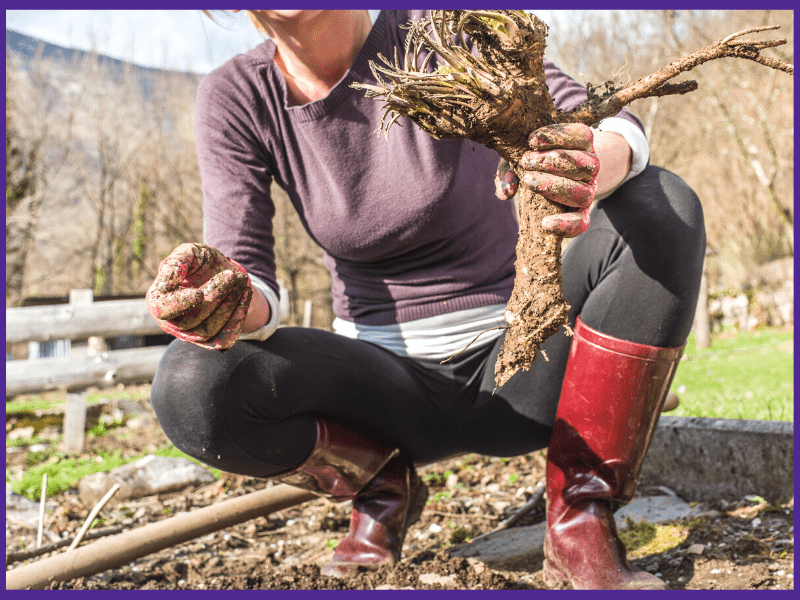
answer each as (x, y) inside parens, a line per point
(562, 167)
(200, 296)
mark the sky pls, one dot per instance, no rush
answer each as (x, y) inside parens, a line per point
(176, 39)
(185, 40)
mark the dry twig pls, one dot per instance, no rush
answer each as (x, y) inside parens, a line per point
(94, 512)
(41, 511)
(13, 557)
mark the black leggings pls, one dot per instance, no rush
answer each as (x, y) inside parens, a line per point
(634, 274)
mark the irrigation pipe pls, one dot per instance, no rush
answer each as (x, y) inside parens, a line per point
(121, 549)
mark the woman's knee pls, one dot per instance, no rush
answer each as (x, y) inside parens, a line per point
(660, 218)
(205, 402)
(659, 204)
(187, 397)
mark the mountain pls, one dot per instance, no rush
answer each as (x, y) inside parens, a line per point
(99, 138)
(26, 49)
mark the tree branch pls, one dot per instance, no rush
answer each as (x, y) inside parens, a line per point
(656, 84)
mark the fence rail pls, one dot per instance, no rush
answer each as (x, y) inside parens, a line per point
(80, 320)
(80, 372)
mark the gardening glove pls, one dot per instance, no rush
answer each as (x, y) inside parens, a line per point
(561, 166)
(200, 296)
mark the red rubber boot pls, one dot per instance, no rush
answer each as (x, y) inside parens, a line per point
(610, 402)
(388, 496)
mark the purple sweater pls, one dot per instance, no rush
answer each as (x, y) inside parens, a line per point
(410, 227)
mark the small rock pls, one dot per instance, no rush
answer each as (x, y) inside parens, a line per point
(696, 549)
(755, 522)
(500, 507)
(493, 488)
(130, 407)
(435, 528)
(18, 503)
(25, 510)
(513, 549)
(433, 579)
(20, 433)
(38, 447)
(140, 421)
(654, 509)
(147, 476)
(451, 482)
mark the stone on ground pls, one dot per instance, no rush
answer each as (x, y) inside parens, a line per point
(147, 476)
(520, 548)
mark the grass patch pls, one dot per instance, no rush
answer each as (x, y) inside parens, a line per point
(52, 401)
(64, 473)
(749, 375)
(31, 403)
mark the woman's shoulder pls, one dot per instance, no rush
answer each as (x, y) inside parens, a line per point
(239, 85)
(240, 72)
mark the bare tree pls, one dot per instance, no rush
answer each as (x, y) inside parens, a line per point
(735, 148)
(38, 147)
(106, 153)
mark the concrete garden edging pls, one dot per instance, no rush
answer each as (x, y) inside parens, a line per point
(700, 459)
(704, 459)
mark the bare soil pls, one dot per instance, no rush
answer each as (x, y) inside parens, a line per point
(749, 545)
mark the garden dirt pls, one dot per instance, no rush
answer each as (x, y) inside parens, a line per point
(744, 544)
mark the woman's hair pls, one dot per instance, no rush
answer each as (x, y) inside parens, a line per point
(254, 16)
(210, 14)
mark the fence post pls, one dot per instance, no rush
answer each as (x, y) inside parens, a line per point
(702, 323)
(75, 410)
(75, 423)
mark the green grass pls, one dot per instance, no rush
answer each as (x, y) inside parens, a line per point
(64, 473)
(740, 376)
(55, 400)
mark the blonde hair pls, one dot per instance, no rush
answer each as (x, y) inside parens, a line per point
(256, 19)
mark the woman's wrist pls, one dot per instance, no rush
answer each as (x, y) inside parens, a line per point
(258, 314)
(615, 160)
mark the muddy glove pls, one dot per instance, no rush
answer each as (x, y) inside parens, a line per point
(200, 296)
(561, 166)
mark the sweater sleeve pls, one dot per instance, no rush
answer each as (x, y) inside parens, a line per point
(235, 171)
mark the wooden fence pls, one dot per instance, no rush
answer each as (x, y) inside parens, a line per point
(81, 319)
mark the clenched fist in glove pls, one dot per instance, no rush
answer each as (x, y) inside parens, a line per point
(200, 296)
(561, 166)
